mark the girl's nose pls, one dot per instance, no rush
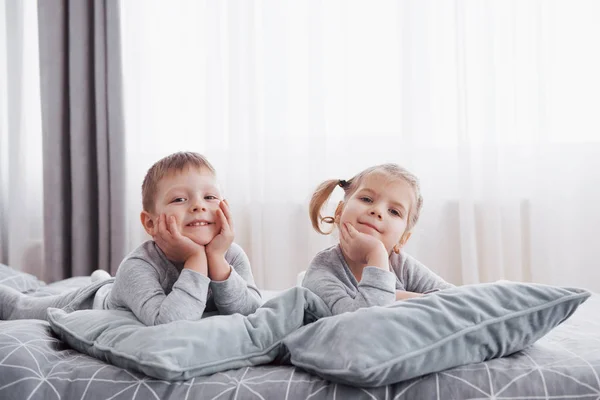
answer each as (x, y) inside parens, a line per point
(378, 215)
(197, 208)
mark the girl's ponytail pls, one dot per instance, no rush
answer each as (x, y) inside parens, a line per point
(319, 198)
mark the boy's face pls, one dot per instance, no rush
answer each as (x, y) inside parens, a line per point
(193, 197)
(379, 207)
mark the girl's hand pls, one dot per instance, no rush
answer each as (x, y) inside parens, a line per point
(221, 243)
(176, 247)
(403, 295)
(362, 248)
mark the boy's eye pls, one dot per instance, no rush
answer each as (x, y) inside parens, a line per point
(366, 199)
(178, 200)
(395, 213)
(210, 197)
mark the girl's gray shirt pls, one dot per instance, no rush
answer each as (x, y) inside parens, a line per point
(329, 277)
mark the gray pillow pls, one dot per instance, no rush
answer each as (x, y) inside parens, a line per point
(185, 349)
(463, 325)
(369, 347)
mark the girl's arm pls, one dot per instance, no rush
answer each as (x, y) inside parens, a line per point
(420, 279)
(404, 295)
(138, 288)
(326, 277)
(238, 292)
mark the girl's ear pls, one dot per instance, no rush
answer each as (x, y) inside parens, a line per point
(150, 224)
(338, 212)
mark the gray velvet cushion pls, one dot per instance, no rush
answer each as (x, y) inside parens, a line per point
(184, 349)
(369, 347)
(462, 325)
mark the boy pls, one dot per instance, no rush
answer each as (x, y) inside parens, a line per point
(191, 265)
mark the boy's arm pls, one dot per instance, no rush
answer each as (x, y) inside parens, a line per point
(237, 293)
(376, 288)
(137, 287)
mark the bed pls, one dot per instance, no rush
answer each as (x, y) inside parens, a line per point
(35, 364)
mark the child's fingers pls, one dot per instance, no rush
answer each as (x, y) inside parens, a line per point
(162, 226)
(346, 244)
(352, 232)
(224, 224)
(161, 233)
(344, 233)
(173, 226)
(227, 211)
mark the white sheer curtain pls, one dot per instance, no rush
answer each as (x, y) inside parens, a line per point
(21, 195)
(492, 103)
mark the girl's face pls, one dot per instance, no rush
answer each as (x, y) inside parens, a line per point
(379, 207)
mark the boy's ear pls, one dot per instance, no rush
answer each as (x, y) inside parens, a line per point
(149, 223)
(338, 212)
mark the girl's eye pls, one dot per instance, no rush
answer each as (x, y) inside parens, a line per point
(395, 213)
(178, 200)
(366, 199)
(210, 197)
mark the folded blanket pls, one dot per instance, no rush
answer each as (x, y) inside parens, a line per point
(17, 305)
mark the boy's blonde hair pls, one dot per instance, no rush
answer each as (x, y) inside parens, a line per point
(171, 163)
(324, 190)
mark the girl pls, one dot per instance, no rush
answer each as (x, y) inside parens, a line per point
(367, 268)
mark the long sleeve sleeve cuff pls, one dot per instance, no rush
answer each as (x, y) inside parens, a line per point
(194, 284)
(378, 278)
(230, 290)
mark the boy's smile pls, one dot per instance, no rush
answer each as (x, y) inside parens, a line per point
(196, 223)
(197, 227)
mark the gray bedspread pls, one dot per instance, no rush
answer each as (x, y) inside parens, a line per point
(565, 364)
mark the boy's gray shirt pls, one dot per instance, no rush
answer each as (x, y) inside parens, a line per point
(158, 291)
(329, 277)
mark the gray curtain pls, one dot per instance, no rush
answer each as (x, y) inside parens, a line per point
(83, 145)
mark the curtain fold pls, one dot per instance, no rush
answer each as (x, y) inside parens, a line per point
(83, 142)
(21, 223)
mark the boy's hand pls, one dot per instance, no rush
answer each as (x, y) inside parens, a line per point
(218, 268)
(221, 243)
(176, 247)
(362, 248)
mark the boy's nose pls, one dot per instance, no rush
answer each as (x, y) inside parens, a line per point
(197, 208)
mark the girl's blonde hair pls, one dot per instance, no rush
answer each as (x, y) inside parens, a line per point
(324, 190)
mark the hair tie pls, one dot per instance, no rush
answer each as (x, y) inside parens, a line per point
(342, 183)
